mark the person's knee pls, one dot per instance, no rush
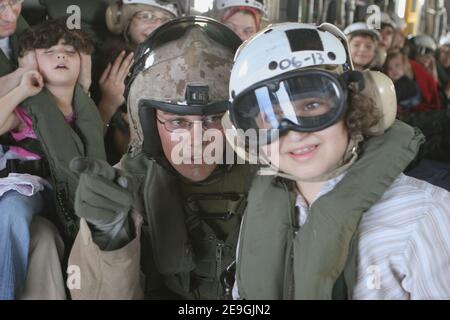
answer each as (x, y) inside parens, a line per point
(44, 233)
(45, 278)
(15, 213)
(16, 208)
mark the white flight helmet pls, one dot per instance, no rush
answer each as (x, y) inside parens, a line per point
(284, 47)
(399, 22)
(387, 20)
(224, 4)
(424, 44)
(361, 28)
(119, 14)
(445, 40)
(290, 62)
(169, 7)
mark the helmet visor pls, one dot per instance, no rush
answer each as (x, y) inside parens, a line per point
(306, 102)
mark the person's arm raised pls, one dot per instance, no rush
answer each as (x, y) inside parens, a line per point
(10, 81)
(112, 85)
(30, 85)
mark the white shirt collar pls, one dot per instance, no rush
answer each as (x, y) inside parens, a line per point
(301, 206)
(6, 47)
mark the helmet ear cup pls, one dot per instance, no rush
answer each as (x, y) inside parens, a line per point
(115, 18)
(381, 89)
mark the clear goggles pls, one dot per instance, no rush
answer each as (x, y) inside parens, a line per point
(304, 101)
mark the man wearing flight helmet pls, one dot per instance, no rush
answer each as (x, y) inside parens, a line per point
(337, 218)
(191, 210)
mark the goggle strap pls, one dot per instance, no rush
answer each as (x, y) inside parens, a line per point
(354, 80)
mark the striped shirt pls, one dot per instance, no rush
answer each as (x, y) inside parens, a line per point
(403, 242)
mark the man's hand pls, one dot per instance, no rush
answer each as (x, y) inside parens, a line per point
(28, 61)
(102, 193)
(10, 81)
(85, 77)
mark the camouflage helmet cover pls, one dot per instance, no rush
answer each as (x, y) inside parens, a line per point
(167, 72)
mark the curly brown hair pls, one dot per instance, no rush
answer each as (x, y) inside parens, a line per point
(49, 33)
(361, 115)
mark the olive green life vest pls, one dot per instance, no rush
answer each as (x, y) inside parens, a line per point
(193, 228)
(61, 142)
(278, 260)
(214, 213)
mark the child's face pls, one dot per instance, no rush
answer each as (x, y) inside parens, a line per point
(243, 24)
(444, 56)
(427, 60)
(362, 50)
(387, 35)
(59, 64)
(307, 155)
(396, 68)
(145, 22)
(399, 40)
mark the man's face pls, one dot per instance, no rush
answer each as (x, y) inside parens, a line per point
(362, 50)
(396, 68)
(195, 167)
(9, 16)
(243, 24)
(59, 64)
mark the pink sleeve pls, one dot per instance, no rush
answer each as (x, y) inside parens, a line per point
(27, 131)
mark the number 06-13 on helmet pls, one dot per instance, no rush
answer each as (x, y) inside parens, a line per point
(294, 76)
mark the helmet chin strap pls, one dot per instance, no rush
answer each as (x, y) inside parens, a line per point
(349, 158)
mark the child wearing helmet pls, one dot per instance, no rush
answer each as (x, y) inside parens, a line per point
(331, 214)
(407, 90)
(136, 19)
(132, 21)
(423, 49)
(419, 67)
(363, 42)
(443, 69)
(243, 17)
(387, 32)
